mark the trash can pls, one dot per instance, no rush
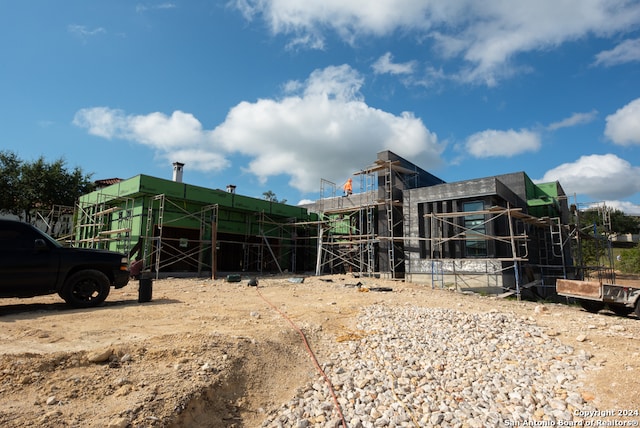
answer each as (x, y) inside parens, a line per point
(145, 288)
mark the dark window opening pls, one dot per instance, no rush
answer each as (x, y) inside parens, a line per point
(475, 228)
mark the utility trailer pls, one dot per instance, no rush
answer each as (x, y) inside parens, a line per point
(594, 296)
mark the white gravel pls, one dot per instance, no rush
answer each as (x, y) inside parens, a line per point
(410, 366)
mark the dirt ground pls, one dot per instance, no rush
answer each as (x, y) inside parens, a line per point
(213, 353)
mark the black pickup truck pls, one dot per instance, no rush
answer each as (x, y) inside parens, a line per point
(34, 264)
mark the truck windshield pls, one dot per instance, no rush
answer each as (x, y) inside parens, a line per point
(50, 239)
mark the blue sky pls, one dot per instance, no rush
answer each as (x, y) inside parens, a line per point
(279, 94)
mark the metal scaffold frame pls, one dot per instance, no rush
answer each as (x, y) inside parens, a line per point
(156, 259)
(518, 242)
(108, 219)
(287, 234)
(604, 270)
(264, 237)
(57, 221)
(353, 237)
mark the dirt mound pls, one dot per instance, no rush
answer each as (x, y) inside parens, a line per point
(216, 354)
(174, 380)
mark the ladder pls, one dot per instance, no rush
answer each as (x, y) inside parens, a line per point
(388, 203)
(149, 238)
(208, 220)
(246, 246)
(555, 228)
(367, 218)
(437, 273)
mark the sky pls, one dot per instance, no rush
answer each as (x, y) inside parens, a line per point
(281, 95)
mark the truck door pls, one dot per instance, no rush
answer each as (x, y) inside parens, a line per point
(28, 261)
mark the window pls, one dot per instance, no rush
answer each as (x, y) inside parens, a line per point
(475, 225)
(16, 237)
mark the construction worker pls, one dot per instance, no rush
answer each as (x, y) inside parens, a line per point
(348, 187)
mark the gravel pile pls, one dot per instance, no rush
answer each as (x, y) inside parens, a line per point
(410, 366)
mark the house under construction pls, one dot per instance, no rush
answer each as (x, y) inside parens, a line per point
(181, 229)
(364, 232)
(487, 234)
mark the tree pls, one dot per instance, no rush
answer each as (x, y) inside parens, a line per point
(599, 223)
(630, 260)
(622, 223)
(271, 197)
(9, 181)
(39, 184)
(609, 221)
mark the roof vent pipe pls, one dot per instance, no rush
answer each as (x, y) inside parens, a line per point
(177, 172)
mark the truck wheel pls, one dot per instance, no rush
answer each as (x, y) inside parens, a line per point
(620, 310)
(592, 306)
(86, 288)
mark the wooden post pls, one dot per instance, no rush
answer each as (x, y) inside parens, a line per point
(214, 244)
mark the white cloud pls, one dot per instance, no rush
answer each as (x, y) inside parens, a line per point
(83, 32)
(306, 41)
(336, 82)
(160, 6)
(385, 65)
(348, 18)
(573, 120)
(492, 143)
(629, 208)
(155, 129)
(627, 51)
(487, 35)
(623, 127)
(178, 137)
(101, 121)
(602, 177)
(166, 132)
(199, 158)
(321, 129)
(325, 131)
(305, 202)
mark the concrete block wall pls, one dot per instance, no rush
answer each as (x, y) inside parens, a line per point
(462, 273)
(480, 276)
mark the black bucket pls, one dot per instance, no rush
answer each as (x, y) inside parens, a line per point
(145, 289)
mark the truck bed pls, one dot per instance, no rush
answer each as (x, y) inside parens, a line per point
(581, 289)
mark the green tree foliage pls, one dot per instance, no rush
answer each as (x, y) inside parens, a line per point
(609, 221)
(595, 252)
(599, 223)
(622, 223)
(10, 167)
(39, 184)
(630, 260)
(271, 197)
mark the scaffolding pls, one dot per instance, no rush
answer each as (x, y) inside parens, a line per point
(363, 233)
(105, 223)
(57, 222)
(288, 240)
(161, 252)
(252, 252)
(603, 270)
(265, 240)
(552, 239)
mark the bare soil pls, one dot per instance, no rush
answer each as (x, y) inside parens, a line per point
(213, 353)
